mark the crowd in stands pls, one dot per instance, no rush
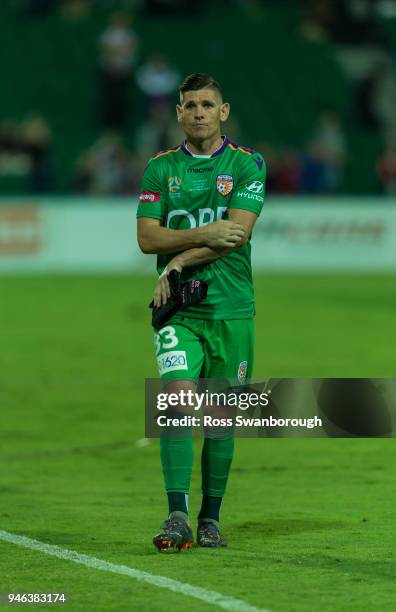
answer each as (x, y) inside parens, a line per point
(352, 22)
(118, 56)
(108, 167)
(318, 169)
(113, 164)
(356, 24)
(386, 170)
(25, 153)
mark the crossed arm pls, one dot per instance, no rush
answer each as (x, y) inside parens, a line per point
(193, 247)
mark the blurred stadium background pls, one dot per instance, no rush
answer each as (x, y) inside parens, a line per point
(88, 93)
(90, 89)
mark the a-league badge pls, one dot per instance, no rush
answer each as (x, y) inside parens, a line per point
(242, 371)
(224, 184)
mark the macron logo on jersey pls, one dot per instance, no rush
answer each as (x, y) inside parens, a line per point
(149, 196)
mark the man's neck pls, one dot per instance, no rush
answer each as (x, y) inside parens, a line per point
(204, 147)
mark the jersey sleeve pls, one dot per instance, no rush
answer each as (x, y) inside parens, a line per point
(250, 185)
(151, 199)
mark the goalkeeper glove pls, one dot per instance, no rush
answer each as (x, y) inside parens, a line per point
(182, 295)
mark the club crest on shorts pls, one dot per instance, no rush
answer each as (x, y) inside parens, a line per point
(224, 184)
(242, 371)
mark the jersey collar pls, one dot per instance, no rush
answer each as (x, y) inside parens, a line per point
(220, 150)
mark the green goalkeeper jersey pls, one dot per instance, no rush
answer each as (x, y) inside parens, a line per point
(185, 191)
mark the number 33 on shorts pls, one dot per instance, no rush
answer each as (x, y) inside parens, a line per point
(169, 360)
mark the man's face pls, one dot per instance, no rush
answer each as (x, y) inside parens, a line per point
(201, 112)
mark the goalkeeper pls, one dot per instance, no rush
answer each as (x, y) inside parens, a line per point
(198, 205)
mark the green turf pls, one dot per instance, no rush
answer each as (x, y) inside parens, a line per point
(311, 523)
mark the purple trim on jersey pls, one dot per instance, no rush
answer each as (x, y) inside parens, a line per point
(223, 146)
(165, 151)
(215, 154)
(184, 148)
(237, 146)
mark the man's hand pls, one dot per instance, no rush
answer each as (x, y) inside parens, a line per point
(182, 295)
(162, 289)
(223, 234)
(153, 238)
(218, 236)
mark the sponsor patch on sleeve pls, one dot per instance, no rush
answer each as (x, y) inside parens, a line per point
(171, 361)
(149, 196)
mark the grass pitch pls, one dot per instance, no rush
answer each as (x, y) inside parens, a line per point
(310, 523)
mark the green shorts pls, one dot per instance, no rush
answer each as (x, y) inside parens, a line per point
(190, 349)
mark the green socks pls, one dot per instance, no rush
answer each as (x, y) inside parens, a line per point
(177, 456)
(215, 464)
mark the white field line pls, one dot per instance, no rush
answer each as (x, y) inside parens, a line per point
(210, 597)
